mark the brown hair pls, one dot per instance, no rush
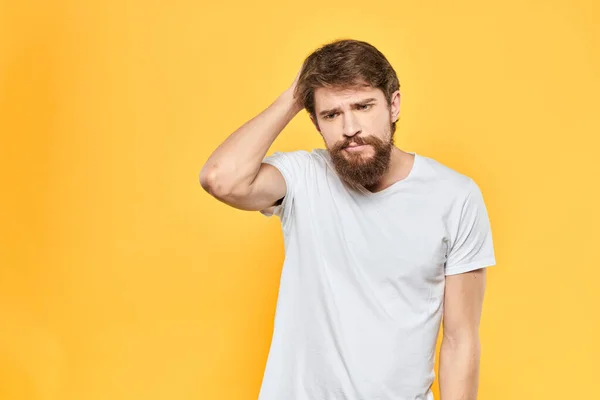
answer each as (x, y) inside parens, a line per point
(345, 63)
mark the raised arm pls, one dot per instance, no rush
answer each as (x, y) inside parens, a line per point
(235, 174)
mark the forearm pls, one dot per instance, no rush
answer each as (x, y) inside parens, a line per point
(236, 161)
(459, 368)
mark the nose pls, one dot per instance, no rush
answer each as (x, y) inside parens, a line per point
(351, 125)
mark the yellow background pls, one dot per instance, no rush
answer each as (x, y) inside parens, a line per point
(121, 279)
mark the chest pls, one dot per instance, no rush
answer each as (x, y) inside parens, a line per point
(401, 237)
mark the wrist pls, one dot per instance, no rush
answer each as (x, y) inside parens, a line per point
(288, 98)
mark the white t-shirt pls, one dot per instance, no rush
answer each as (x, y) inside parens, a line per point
(361, 293)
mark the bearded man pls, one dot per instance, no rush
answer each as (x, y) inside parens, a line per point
(380, 243)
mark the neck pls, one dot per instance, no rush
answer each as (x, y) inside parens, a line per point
(401, 164)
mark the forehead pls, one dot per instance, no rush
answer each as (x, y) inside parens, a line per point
(326, 98)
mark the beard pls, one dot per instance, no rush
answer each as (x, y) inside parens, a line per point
(358, 169)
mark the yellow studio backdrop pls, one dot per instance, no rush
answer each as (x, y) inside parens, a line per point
(120, 278)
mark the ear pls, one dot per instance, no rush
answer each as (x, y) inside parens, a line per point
(395, 106)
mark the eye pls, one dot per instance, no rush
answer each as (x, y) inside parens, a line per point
(364, 106)
(330, 116)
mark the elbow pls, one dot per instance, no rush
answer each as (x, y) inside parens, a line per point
(216, 185)
(210, 182)
(207, 178)
(461, 338)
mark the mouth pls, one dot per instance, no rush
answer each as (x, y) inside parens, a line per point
(355, 148)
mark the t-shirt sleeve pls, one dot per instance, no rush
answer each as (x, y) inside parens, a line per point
(472, 246)
(292, 166)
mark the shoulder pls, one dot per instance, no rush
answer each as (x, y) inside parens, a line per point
(438, 171)
(446, 180)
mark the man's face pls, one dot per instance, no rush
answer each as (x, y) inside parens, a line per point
(356, 125)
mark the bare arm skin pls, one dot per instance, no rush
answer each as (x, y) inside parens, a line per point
(460, 351)
(235, 174)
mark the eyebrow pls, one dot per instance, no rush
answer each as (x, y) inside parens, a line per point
(337, 109)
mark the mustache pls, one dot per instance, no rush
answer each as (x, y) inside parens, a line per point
(359, 140)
